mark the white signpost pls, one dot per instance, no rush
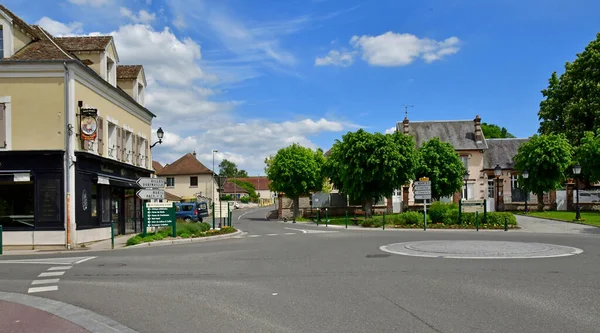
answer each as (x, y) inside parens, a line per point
(149, 194)
(147, 182)
(422, 190)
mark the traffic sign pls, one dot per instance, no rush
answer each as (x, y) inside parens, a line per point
(148, 182)
(422, 188)
(423, 197)
(423, 192)
(159, 214)
(149, 194)
(423, 183)
(424, 179)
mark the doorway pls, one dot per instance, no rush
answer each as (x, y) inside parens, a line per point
(117, 211)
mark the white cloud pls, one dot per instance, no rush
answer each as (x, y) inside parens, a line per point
(393, 49)
(179, 22)
(390, 130)
(185, 101)
(336, 58)
(93, 3)
(60, 29)
(142, 16)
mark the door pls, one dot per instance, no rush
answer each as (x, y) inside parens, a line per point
(130, 215)
(117, 211)
(397, 201)
(561, 200)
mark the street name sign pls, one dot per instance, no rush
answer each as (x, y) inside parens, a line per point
(148, 182)
(422, 189)
(423, 183)
(149, 194)
(159, 214)
(423, 193)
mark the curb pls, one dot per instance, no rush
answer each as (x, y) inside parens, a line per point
(356, 228)
(557, 220)
(89, 320)
(185, 240)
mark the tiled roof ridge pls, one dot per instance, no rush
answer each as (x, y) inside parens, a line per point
(19, 21)
(49, 37)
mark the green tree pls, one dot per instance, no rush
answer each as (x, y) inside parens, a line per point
(230, 170)
(491, 131)
(588, 155)
(248, 187)
(547, 158)
(296, 171)
(572, 101)
(441, 164)
(370, 166)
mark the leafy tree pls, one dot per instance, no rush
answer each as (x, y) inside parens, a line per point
(572, 101)
(230, 170)
(491, 131)
(370, 166)
(588, 155)
(547, 158)
(439, 161)
(248, 187)
(296, 171)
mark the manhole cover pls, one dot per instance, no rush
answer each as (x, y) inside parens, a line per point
(480, 249)
(380, 255)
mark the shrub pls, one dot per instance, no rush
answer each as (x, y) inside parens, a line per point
(227, 197)
(205, 226)
(134, 240)
(372, 223)
(451, 217)
(148, 238)
(185, 235)
(245, 199)
(438, 210)
(411, 217)
(498, 218)
(395, 219)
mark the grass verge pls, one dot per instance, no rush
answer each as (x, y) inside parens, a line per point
(184, 230)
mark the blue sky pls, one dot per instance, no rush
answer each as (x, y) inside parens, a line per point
(249, 77)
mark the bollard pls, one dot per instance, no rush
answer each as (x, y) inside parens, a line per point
(477, 220)
(228, 214)
(346, 219)
(318, 216)
(383, 220)
(460, 211)
(213, 214)
(0, 240)
(175, 228)
(326, 217)
(505, 223)
(112, 235)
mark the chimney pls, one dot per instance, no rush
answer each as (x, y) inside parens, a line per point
(194, 153)
(405, 124)
(478, 131)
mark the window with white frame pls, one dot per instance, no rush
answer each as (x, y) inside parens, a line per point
(111, 71)
(170, 181)
(465, 161)
(5, 128)
(128, 147)
(140, 94)
(514, 181)
(142, 151)
(490, 187)
(112, 140)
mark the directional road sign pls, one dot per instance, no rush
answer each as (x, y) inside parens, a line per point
(148, 182)
(148, 194)
(159, 214)
(422, 188)
(423, 193)
(423, 183)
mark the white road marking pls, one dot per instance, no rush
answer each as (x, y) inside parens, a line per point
(290, 233)
(253, 236)
(46, 274)
(275, 294)
(60, 268)
(52, 261)
(84, 260)
(310, 231)
(42, 289)
(45, 281)
(239, 217)
(303, 231)
(272, 234)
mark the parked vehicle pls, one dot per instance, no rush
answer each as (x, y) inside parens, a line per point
(191, 211)
(588, 197)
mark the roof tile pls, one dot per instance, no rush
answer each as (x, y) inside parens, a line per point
(501, 152)
(18, 21)
(84, 43)
(128, 72)
(188, 164)
(157, 166)
(459, 133)
(260, 183)
(231, 187)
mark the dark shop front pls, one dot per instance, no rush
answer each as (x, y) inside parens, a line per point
(105, 192)
(31, 190)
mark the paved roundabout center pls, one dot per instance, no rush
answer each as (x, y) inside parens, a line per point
(469, 249)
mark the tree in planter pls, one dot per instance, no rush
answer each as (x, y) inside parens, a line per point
(588, 155)
(296, 171)
(370, 166)
(439, 161)
(572, 101)
(547, 158)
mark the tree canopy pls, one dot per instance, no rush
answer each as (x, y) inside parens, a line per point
(368, 166)
(547, 158)
(439, 161)
(230, 170)
(248, 187)
(296, 171)
(491, 131)
(588, 156)
(572, 101)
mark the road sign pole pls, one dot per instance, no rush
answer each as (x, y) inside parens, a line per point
(425, 214)
(112, 234)
(0, 240)
(326, 217)
(346, 219)
(145, 220)
(477, 220)
(383, 220)
(228, 213)
(318, 210)
(213, 214)
(460, 211)
(505, 223)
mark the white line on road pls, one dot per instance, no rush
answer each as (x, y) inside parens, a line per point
(45, 281)
(84, 260)
(253, 236)
(272, 234)
(45, 274)
(303, 231)
(42, 289)
(60, 268)
(239, 217)
(290, 233)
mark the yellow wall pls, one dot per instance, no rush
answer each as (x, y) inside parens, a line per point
(20, 39)
(112, 53)
(93, 57)
(182, 186)
(37, 112)
(127, 86)
(108, 109)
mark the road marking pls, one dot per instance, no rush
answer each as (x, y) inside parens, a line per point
(303, 231)
(310, 231)
(60, 268)
(45, 274)
(84, 260)
(272, 234)
(42, 289)
(239, 217)
(45, 281)
(52, 261)
(253, 236)
(290, 233)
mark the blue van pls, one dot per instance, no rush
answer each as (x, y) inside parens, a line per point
(191, 211)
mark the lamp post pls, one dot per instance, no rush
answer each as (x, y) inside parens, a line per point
(221, 180)
(213, 171)
(160, 134)
(465, 194)
(576, 172)
(525, 175)
(497, 173)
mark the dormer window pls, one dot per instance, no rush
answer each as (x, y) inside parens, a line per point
(1, 43)
(111, 71)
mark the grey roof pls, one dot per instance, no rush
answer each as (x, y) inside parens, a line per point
(501, 152)
(459, 133)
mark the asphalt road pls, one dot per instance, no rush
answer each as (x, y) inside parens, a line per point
(284, 277)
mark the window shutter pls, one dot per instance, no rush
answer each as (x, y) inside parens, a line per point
(136, 158)
(147, 159)
(100, 136)
(119, 144)
(123, 145)
(2, 126)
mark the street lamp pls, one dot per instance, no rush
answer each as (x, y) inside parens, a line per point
(525, 175)
(576, 172)
(160, 134)
(465, 194)
(213, 171)
(221, 182)
(497, 173)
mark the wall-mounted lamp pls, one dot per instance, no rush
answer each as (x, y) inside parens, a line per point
(160, 134)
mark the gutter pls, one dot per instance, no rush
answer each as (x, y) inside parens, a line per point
(67, 204)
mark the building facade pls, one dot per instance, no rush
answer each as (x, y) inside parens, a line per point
(73, 138)
(189, 179)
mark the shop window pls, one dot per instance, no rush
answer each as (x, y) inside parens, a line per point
(170, 181)
(49, 201)
(94, 204)
(105, 204)
(194, 181)
(17, 204)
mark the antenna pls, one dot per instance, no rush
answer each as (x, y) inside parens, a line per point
(406, 109)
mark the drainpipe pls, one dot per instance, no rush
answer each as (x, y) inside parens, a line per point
(69, 161)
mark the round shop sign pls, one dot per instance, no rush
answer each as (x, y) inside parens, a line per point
(84, 200)
(88, 127)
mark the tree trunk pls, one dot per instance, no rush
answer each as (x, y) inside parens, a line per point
(296, 207)
(540, 202)
(368, 208)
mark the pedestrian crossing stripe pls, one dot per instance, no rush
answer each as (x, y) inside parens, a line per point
(49, 261)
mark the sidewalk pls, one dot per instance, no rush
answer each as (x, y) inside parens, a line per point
(17, 318)
(540, 225)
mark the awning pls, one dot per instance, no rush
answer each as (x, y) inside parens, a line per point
(104, 179)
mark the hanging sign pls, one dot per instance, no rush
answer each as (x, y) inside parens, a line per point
(89, 124)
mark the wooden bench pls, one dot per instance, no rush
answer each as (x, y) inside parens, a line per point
(357, 216)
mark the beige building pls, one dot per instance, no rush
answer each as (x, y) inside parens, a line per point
(74, 137)
(189, 179)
